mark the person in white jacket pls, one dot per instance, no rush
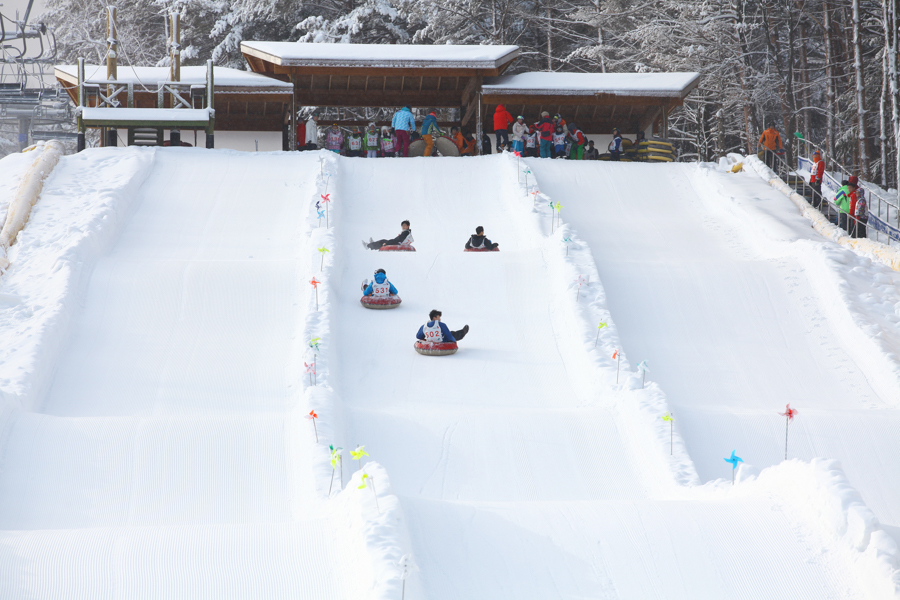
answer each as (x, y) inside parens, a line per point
(312, 132)
(519, 131)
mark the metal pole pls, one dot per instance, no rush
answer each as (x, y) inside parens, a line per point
(81, 140)
(175, 68)
(478, 124)
(210, 104)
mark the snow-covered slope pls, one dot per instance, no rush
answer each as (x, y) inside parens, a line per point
(152, 445)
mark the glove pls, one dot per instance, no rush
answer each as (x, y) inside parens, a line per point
(780, 152)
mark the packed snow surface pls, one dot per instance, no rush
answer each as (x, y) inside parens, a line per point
(137, 115)
(385, 55)
(157, 312)
(677, 85)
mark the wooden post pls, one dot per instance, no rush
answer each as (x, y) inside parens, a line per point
(210, 105)
(664, 123)
(81, 141)
(175, 68)
(293, 142)
(112, 47)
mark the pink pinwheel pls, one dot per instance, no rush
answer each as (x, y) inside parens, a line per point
(327, 199)
(312, 416)
(315, 283)
(788, 414)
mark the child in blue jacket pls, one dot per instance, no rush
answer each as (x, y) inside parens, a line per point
(435, 331)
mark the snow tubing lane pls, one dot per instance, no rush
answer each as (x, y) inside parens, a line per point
(436, 348)
(397, 249)
(380, 303)
(481, 250)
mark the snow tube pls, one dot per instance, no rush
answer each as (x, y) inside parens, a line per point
(436, 348)
(406, 248)
(481, 250)
(380, 303)
(443, 146)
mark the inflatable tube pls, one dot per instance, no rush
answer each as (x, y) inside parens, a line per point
(481, 250)
(397, 249)
(443, 146)
(436, 348)
(380, 303)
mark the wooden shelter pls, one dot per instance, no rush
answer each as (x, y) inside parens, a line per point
(244, 101)
(382, 75)
(596, 102)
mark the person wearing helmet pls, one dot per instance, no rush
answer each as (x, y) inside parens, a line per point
(559, 142)
(519, 131)
(380, 286)
(560, 122)
(354, 143)
(615, 146)
(435, 331)
(576, 138)
(371, 141)
(334, 139)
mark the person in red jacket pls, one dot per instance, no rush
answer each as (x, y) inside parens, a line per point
(815, 180)
(502, 120)
(546, 127)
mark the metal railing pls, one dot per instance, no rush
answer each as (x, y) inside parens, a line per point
(884, 214)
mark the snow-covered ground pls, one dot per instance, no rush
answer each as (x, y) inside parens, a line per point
(157, 311)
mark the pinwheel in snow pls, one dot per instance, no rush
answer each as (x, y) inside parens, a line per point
(311, 369)
(788, 414)
(326, 198)
(618, 356)
(358, 454)
(335, 459)
(734, 460)
(315, 283)
(644, 367)
(667, 417)
(322, 251)
(599, 327)
(407, 566)
(371, 482)
(580, 280)
(312, 416)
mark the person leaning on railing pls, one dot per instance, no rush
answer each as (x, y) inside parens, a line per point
(770, 143)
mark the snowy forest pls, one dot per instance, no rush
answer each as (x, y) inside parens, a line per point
(824, 68)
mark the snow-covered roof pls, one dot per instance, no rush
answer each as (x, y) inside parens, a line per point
(144, 115)
(389, 56)
(225, 77)
(675, 85)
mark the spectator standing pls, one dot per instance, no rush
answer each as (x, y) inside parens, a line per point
(371, 141)
(301, 135)
(502, 120)
(615, 146)
(559, 142)
(354, 143)
(815, 179)
(591, 153)
(531, 143)
(545, 128)
(388, 142)
(334, 139)
(558, 120)
(770, 142)
(485, 143)
(311, 133)
(430, 130)
(842, 200)
(861, 215)
(578, 142)
(519, 131)
(403, 123)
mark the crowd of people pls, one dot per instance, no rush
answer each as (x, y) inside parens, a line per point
(852, 208)
(549, 137)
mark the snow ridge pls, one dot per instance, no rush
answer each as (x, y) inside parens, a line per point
(378, 522)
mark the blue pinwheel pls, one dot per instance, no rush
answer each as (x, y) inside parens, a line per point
(734, 460)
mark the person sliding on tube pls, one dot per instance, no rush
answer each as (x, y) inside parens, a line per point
(381, 287)
(437, 332)
(480, 242)
(404, 239)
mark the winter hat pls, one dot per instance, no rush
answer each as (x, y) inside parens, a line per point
(817, 153)
(545, 114)
(854, 180)
(520, 117)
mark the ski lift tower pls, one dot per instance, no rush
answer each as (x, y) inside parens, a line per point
(27, 100)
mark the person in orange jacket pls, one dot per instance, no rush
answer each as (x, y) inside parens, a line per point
(815, 179)
(465, 147)
(502, 120)
(770, 142)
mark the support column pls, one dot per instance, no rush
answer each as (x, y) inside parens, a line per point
(175, 68)
(24, 128)
(112, 73)
(664, 123)
(294, 143)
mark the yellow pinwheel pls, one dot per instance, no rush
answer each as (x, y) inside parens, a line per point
(359, 453)
(667, 417)
(364, 477)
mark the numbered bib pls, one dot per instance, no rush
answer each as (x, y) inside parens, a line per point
(381, 290)
(433, 333)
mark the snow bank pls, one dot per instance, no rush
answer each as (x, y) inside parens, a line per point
(46, 156)
(85, 201)
(820, 489)
(578, 308)
(380, 526)
(882, 252)
(675, 85)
